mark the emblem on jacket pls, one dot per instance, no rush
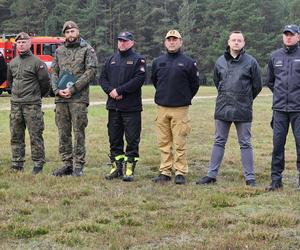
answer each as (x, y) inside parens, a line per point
(278, 64)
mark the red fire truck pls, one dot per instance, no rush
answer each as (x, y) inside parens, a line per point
(42, 46)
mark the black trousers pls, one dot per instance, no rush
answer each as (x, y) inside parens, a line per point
(124, 123)
(280, 130)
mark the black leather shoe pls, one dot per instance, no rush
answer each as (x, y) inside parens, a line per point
(251, 183)
(180, 179)
(161, 178)
(275, 185)
(206, 180)
(65, 170)
(37, 169)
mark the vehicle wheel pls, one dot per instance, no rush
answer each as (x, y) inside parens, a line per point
(9, 91)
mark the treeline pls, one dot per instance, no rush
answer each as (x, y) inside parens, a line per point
(204, 24)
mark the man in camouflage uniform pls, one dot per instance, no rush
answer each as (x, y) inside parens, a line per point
(77, 58)
(28, 77)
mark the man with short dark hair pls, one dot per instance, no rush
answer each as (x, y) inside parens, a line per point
(122, 77)
(28, 78)
(284, 81)
(176, 80)
(238, 80)
(74, 67)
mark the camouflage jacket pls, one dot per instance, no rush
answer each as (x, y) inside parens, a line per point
(80, 60)
(28, 78)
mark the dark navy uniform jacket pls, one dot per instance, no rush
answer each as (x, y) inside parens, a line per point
(284, 79)
(176, 79)
(125, 72)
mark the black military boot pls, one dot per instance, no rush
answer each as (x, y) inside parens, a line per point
(275, 185)
(78, 171)
(65, 170)
(37, 169)
(116, 170)
(17, 167)
(129, 170)
(298, 184)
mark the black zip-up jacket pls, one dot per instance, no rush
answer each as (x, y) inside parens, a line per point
(176, 79)
(125, 72)
(238, 81)
(284, 79)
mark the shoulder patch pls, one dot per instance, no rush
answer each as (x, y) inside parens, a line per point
(195, 64)
(180, 64)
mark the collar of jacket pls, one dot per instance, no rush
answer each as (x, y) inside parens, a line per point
(76, 43)
(174, 54)
(228, 56)
(291, 49)
(26, 53)
(126, 52)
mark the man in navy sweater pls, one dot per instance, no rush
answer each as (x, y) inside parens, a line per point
(176, 79)
(121, 79)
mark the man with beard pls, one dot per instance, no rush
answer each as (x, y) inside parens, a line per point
(121, 79)
(28, 78)
(75, 63)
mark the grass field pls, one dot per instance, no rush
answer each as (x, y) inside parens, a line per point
(46, 212)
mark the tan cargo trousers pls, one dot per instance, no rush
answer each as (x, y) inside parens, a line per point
(173, 126)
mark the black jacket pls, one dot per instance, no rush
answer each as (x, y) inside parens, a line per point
(3, 69)
(238, 81)
(284, 79)
(176, 79)
(125, 72)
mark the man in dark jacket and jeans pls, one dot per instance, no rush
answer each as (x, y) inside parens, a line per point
(284, 82)
(238, 80)
(121, 79)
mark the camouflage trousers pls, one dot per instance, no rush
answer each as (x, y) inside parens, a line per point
(30, 116)
(70, 116)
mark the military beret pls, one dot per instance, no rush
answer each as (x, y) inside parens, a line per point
(22, 36)
(173, 33)
(125, 35)
(69, 25)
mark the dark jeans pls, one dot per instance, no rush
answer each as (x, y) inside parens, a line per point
(281, 121)
(128, 124)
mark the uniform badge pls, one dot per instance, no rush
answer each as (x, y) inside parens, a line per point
(143, 61)
(41, 66)
(180, 64)
(113, 62)
(195, 64)
(129, 62)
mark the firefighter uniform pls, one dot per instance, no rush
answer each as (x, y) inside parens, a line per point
(176, 80)
(124, 71)
(79, 59)
(29, 80)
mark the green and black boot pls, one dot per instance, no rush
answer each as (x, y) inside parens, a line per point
(116, 170)
(129, 170)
